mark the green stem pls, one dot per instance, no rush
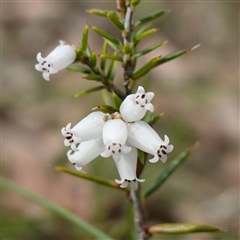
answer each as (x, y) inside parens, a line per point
(53, 207)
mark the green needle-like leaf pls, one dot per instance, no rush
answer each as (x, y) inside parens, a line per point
(177, 54)
(116, 100)
(145, 34)
(112, 57)
(93, 59)
(93, 77)
(100, 12)
(108, 183)
(112, 69)
(182, 228)
(146, 68)
(54, 208)
(85, 38)
(141, 30)
(115, 20)
(115, 47)
(149, 49)
(79, 69)
(106, 35)
(156, 118)
(104, 51)
(174, 164)
(150, 17)
(105, 108)
(85, 92)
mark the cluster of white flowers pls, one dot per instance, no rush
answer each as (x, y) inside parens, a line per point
(118, 135)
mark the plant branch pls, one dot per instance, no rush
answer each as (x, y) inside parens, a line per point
(109, 85)
(128, 66)
(140, 227)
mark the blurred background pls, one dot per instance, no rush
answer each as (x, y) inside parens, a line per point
(197, 92)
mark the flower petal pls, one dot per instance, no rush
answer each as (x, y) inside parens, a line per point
(126, 165)
(87, 151)
(62, 56)
(88, 128)
(143, 136)
(114, 137)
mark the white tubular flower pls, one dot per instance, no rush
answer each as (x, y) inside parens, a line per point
(87, 151)
(127, 165)
(62, 56)
(135, 106)
(88, 128)
(143, 136)
(114, 138)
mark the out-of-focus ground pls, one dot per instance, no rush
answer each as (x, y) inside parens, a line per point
(198, 94)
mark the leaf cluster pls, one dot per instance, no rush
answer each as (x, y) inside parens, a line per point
(102, 67)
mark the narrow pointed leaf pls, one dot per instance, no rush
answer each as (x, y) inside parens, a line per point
(112, 57)
(54, 208)
(104, 51)
(150, 17)
(116, 100)
(106, 35)
(174, 164)
(144, 35)
(177, 54)
(156, 118)
(182, 228)
(108, 183)
(112, 69)
(115, 47)
(151, 119)
(141, 156)
(142, 30)
(82, 93)
(89, 51)
(148, 118)
(100, 12)
(149, 49)
(85, 38)
(79, 69)
(105, 108)
(115, 21)
(146, 68)
(93, 59)
(93, 77)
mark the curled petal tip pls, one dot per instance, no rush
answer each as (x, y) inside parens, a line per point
(74, 148)
(154, 159)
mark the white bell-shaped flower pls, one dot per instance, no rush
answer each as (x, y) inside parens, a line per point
(127, 166)
(87, 151)
(135, 106)
(143, 137)
(88, 128)
(62, 56)
(114, 138)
